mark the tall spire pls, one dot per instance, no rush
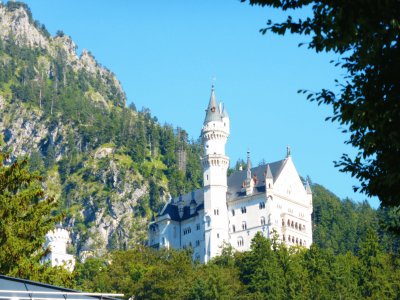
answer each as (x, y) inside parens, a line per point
(248, 166)
(308, 188)
(212, 111)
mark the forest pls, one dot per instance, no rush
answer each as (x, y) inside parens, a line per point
(91, 161)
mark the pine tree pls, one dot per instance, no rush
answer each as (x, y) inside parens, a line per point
(25, 218)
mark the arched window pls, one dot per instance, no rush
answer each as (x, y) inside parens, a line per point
(233, 228)
(283, 237)
(283, 222)
(297, 240)
(292, 225)
(289, 238)
(288, 222)
(244, 225)
(262, 205)
(262, 221)
(240, 241)
(296, 226)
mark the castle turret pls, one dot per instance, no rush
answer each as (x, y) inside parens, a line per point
(56, 241)
(215, 133)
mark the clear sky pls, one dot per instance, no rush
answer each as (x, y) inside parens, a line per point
(165, 53)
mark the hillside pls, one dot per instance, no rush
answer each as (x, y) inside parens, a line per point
(108, 165)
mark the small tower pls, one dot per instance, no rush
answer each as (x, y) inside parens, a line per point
(215, 163)
(269, 182)
(56, 241)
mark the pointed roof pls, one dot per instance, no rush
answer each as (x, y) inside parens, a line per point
(212, 112)
(224, 112)
(268, 173)
(308, 188)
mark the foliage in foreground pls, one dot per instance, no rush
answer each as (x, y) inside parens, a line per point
(269, 270)
(366, 35)
(25, 218)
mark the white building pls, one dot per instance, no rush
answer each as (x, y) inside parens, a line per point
(56, 241)
(268, 198)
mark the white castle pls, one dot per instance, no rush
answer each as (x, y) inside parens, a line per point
(270, 199)
(56, 241)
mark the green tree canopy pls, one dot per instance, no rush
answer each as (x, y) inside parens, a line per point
(366, 35)
(25, 218)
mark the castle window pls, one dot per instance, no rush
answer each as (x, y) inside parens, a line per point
(217, 235)
(240, 241)
(295, 226)
(187, 230)
(262, 221)
(243, 209)
(244, 225)
(283, 237)
(197, 243)
(292, 225)
(233, 228)
(289, 238)
(197, 226)
(283, 222)
(288, 222)
(216, 212)
(233, 212)
(262, 205)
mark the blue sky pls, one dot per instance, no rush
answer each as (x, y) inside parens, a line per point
(165, 53)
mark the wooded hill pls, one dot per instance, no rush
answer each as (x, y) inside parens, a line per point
(110, 166)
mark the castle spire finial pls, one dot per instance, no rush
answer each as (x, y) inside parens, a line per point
(288, 152)
(248, 165)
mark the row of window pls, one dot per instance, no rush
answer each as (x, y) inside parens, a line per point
(295, 225)
(244, 224)
(243, 209)
(197, 243)
(294, 240)
(188, 230)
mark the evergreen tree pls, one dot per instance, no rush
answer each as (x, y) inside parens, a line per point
(25, 218)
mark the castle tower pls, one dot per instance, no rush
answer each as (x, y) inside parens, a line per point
(56, 241)
(214, 134)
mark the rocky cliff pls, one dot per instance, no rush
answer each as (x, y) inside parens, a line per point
(109, 166)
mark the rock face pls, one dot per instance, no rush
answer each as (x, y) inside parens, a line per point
(97, 187)
(18, 23)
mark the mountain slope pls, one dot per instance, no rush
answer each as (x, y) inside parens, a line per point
(108, 165)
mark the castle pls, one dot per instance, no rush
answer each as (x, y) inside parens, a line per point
(270, 199)
(56, 241)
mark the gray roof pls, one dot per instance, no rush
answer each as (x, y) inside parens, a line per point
(11, 287)
(235, 182)
(171, 209)
(212, 112)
